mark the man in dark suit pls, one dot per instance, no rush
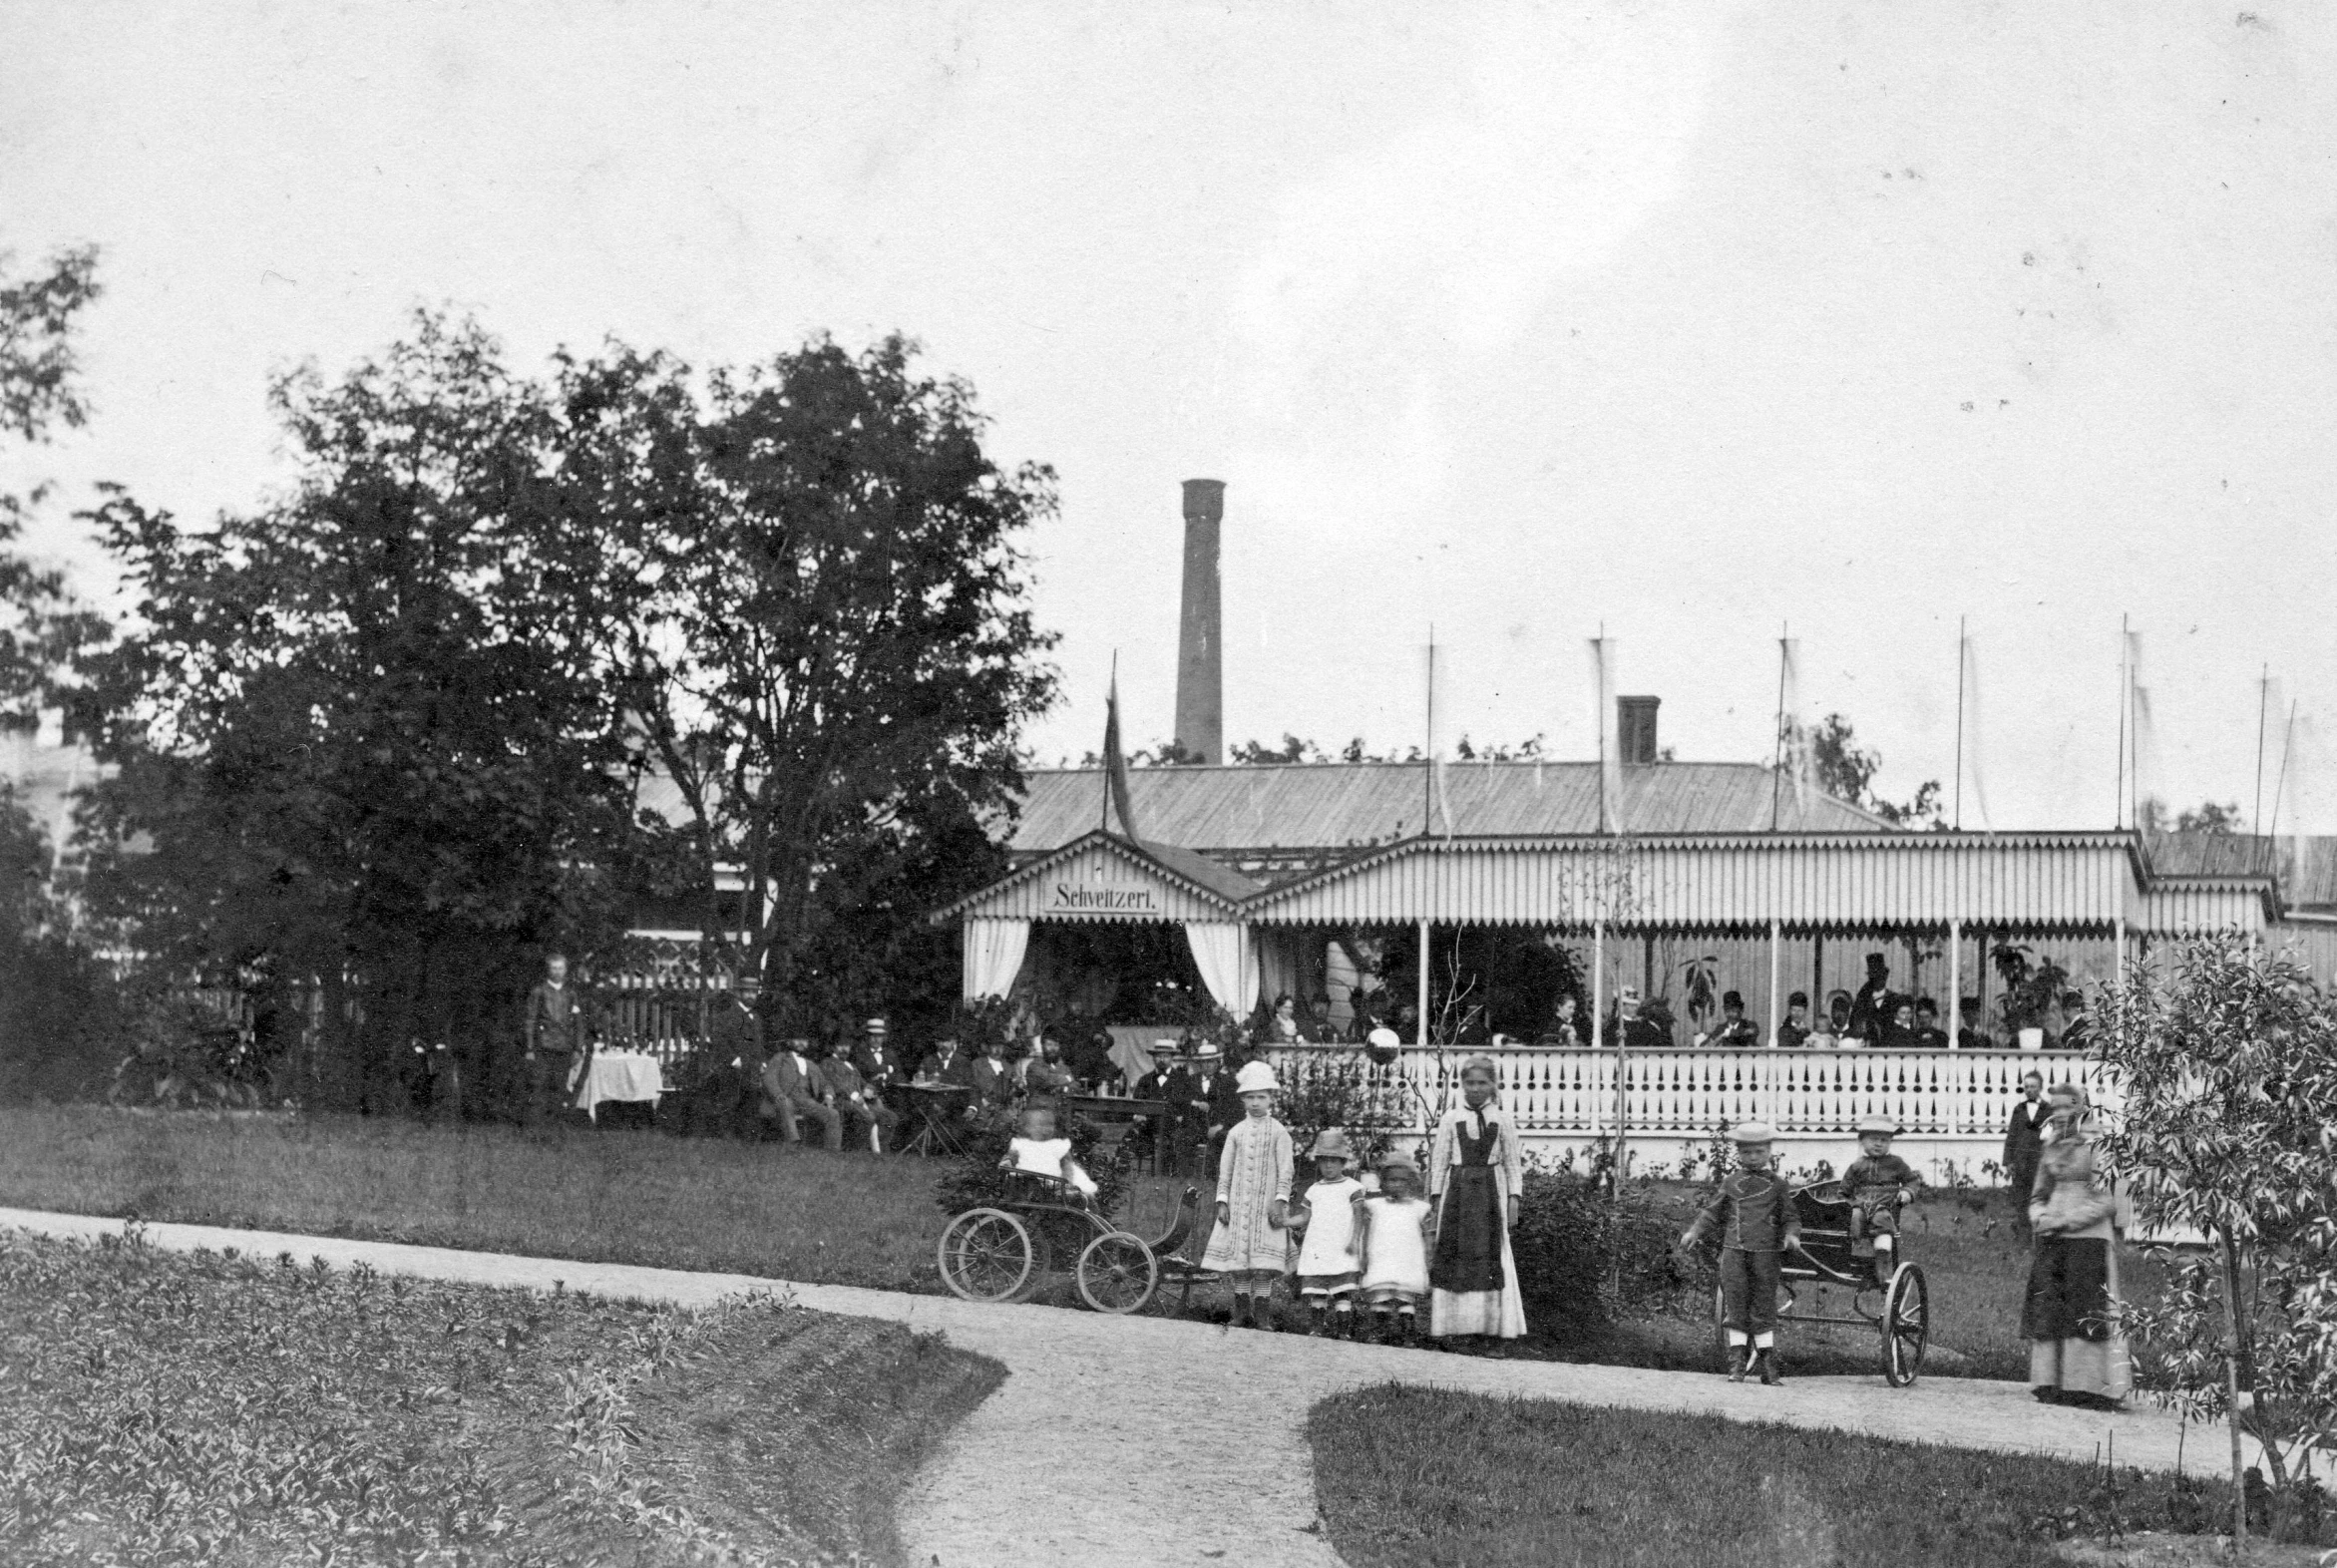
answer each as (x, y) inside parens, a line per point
(991, 1078)
(1737, 1031)
(1969, 1036)
(556, 1039)
(857, 1102)
(798, 1090)
(2024, 1144)
(734, 1042)
(946, 1062)
(880, 1065)
(1167, 1084)
(1211, 1105)
(1870, 1009)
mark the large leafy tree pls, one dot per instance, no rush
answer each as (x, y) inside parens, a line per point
(362, 739)
(2227, 1130)
(816, 611)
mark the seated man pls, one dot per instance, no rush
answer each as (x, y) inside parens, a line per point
(1928, 1035)
(1165, 1083)
(944, 1064)
(879, 1063)
(795, 1089)
(1046, 1074)
(1737, 1031)
(991, 1078)
(857, 1102)
(1796, 1027)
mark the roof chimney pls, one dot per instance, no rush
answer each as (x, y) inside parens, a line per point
(1200, 642)
(1635, 728)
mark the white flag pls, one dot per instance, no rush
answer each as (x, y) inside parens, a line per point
(1973, 730)
(1437, 681)
(1610, 743)
(1792, 735)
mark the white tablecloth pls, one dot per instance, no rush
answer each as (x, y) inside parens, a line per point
(620, 1076)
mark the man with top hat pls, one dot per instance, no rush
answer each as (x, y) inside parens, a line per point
(1870, 1008)
(1167, 1084)
(1753, 1215)
(1737, 1031)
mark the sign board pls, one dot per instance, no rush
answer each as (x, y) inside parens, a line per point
(1071, 896)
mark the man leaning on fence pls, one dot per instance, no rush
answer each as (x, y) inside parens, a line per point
(556, 1040)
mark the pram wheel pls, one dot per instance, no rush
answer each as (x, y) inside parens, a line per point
(1117, 1273)
(1906, 1326)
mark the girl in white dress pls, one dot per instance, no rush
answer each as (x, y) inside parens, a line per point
(1391, 1230)
(1249, 1246)
(1329, 1267)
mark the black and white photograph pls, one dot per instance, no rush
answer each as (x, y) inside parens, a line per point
(1039, 784)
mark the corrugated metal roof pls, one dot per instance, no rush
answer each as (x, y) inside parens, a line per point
(1343, 805)
(1824, 882)
(2305, 865)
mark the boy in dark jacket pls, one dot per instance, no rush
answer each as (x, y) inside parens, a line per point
(1878, 1184)
(1753, 1214)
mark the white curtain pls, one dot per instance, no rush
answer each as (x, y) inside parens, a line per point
(993, 955)
(1277, 968)
(1221, 951)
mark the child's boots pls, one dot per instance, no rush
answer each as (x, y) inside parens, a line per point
(1318, 1322)
(1407, 1330)
(1741, 1362)
(1767, 1360)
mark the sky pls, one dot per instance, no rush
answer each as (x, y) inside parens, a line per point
(1698, 325)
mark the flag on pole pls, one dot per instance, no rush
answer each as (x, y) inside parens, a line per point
(1610, 743)
(1115, 767)
(1792, 735)
(1974, 730)
(2140, 741)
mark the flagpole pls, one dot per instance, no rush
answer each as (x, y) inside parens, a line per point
(2287, 740)
(1777, 766)
(1112, 702)
(2264, 698)
(1959, 806)
(1428, 749)
(2124, 701)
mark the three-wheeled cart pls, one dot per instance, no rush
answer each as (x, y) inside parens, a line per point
(1889, 1297)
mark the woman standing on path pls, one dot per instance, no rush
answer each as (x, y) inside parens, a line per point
(2077, 1354)
(1474, 1172)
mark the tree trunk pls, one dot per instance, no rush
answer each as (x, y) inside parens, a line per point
(2232, 1344)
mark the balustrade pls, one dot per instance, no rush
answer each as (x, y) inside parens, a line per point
(1942, 1094)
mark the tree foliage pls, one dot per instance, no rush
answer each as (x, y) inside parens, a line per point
(2228, 1130)
(361, 735)
(2207, 817)
(814, 613)
(1846, 770)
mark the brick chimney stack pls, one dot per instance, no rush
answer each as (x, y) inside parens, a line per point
(1634, 727)
(1200, 638)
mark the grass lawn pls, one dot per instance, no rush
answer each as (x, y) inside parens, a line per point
(165, 1408)
(790, 1213)
(1413, 1477)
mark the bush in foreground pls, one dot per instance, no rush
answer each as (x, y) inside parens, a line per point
(1419, 1476)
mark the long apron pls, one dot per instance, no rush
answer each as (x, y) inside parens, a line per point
(1472, 1278)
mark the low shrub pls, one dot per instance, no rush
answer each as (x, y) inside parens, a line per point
(1586, 1256)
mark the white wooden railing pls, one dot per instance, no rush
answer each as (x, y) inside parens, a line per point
(1689, 1093)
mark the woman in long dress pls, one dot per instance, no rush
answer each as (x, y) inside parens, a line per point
(2077, 1354)
(1475, 1169)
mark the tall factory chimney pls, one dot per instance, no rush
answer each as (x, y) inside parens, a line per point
(1200, 639)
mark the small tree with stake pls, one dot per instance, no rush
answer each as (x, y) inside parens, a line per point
(2229, 1129)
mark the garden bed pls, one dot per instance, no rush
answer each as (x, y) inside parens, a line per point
(212, 1408)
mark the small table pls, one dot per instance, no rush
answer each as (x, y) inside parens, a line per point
(938, 1127)
(622, 1076)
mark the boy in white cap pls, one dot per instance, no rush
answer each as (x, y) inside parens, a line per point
(1879, 1184)
(1329, 1265)
(1754, 1216)
(1249, 1246)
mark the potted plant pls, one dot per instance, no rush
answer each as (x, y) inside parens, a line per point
(2031, 988)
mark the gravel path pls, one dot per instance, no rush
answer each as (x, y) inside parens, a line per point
(1148, 1440)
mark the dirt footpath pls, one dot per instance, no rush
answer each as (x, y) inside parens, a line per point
(1141, 1442)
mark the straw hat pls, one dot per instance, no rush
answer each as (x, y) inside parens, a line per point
(1882, 1124)
(1328, 1142)
(1207, 1050)
(1397, 1160)
(1256, 1078)
(1164, 1047)
(1751, 1132)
